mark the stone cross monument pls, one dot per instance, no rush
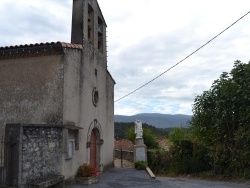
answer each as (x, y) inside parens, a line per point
(140, 149)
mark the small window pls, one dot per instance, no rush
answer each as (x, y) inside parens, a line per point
(95, 97)
(74, 135)
(71, 148)
(71, 141)
(95, 72)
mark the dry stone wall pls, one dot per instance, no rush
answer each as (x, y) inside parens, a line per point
(40, 151)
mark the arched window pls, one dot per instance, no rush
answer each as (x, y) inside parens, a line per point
(100, 35)
(90, 24)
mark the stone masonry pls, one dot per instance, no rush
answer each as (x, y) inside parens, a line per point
(40, 149)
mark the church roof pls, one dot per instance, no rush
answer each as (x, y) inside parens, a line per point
(29, 50)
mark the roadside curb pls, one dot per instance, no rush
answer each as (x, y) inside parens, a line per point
(151, 174)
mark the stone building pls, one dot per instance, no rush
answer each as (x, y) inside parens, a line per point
(64, 83)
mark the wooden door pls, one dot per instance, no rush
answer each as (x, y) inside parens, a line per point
(93, 139)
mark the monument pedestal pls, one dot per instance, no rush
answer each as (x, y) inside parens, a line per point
(140, 150)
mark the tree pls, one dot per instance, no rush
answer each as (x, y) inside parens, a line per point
(130, 134)
(220, 114)
(178, 134)
(149, 138)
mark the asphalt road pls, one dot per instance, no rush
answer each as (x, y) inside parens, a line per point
(129, 177)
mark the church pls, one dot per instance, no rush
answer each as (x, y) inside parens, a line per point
(65, 83)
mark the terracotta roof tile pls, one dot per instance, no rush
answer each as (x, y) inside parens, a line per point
(125, 144)
(27, 50)
(63, 44)
(69, 45)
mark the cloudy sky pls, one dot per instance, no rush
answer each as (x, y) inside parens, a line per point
(145, 38)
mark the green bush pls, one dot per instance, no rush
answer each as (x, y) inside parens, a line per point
(178, 133)
(158, 160)
(221, 117)
(141, 165)
(181, 162)
(184, 157)
(201, 160)
(239, 162)
(149, 139)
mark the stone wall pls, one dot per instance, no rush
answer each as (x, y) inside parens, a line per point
(31, 90)
(40, 151)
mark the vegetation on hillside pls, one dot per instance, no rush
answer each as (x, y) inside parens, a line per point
(218, 140)
(179, 133)
(221, 121)
(149, 138)
(121, 129)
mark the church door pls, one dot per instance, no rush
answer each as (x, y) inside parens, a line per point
(93, 142)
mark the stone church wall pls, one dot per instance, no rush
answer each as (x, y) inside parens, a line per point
(37, 151)
(31, 90)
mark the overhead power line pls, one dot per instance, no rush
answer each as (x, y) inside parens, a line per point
(183, 58)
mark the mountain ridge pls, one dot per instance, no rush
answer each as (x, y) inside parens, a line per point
(157, 119)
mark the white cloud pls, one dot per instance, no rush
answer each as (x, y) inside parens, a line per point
(145, 38)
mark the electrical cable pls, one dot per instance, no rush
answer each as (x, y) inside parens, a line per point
(183, 58)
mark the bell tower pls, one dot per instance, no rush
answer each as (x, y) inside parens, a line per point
(88, 25)
(77, 30)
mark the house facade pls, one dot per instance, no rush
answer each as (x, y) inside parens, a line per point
(67, 84)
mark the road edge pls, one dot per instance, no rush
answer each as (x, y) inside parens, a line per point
(151, 174)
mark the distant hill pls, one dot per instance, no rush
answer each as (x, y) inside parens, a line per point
(157, 120)
(121, 129)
